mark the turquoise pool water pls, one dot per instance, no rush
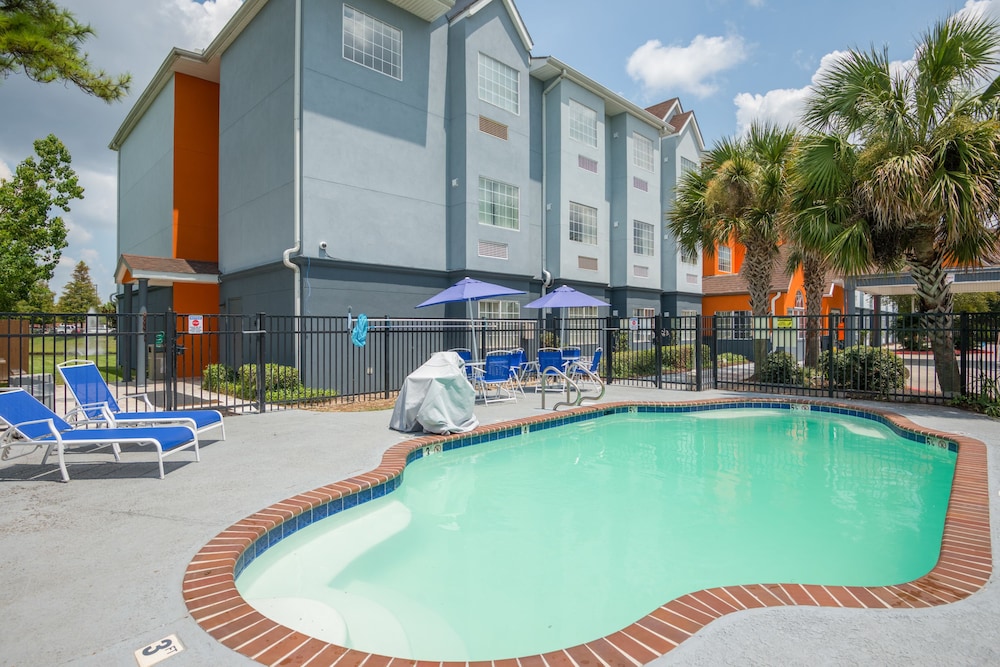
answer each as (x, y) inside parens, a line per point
(563, 535)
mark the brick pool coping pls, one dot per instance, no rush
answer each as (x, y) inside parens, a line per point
(209, 586)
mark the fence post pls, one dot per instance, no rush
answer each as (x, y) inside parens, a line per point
(658, 342)
(170, 359)
(610, 336)
(699, 359)
(963, 366)
(385, 358)
(261, 388)
(831, 349)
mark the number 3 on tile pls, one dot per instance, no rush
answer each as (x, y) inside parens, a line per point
(157, 651)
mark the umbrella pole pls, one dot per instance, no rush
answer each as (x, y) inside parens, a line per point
(472, 325)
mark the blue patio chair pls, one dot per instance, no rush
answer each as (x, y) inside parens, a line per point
(518, 367)
(91, 393)
(576, 369)
(33, 426)
(466, 355)
(550, 364)
(496, 376)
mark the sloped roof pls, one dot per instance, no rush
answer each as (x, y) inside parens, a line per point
(164, 271)
(663, 109)
(734, 283)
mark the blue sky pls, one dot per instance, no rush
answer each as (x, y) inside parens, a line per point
(728, 60)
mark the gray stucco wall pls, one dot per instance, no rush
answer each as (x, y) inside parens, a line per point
(146, 182)
(675, 271)
(374, 147)
(256, 141)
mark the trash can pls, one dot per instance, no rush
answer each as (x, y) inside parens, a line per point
(40, 385)
(156, 362)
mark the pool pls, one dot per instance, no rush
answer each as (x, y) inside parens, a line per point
(962, 568)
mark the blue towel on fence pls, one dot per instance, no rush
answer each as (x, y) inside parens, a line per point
(359, 335)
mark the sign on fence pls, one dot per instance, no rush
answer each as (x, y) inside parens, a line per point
(196, 324)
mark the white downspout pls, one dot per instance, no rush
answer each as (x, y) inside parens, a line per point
(546, 276)
(296, 175)
(774, 301)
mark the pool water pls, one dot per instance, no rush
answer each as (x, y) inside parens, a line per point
(563, 535)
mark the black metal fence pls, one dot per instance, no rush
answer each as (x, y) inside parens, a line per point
(256, 362)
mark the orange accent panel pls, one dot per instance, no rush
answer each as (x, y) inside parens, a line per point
(197, 299)
(196, 169)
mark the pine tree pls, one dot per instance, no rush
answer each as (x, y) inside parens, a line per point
(80, 294)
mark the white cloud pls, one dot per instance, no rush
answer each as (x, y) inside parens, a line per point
(201, 22)
(755, 3)
(690, 68)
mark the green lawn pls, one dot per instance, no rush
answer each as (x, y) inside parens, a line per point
(47, 351)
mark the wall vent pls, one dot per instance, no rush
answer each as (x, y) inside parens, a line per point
(640, 271)
(640, 184)
(692, 278)
(586, 163)
(586, 263)
(493, 249)
(493, 128)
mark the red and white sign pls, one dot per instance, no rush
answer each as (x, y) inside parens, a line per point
(196, 324)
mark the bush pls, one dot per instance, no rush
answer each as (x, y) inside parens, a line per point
(275, 376)
(780, 368)
(642, 363)
(215, 376)
(730, 359)
(864, 368)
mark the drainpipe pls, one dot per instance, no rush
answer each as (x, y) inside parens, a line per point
(774, 301)
(296, 176)
(546, 276)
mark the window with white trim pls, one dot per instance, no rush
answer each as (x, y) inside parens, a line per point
(725, 257)
(499, 84)
(647, 322)
(642, 151)
(372, 43)
(685, 326)
(499, 204)
(733, 324)
(688, 165)
(499, 309)
(642, 238)
(582, 123)
(689, 257)
(582, 223)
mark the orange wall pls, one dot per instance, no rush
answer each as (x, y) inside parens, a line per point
(196, 169)
(201, 350)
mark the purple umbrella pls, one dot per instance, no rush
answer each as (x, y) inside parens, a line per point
(565, 297)
(469, 290)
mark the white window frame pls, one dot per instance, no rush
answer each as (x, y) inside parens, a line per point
(372, 43)
(582, 223)
(499, 309)
(724, 258)
(687, 165)
(582, 124)
(643, 238)
(733, 325)
(644, 334)
(499, 204)
(642, 151)
(499, 84)
(689, 258)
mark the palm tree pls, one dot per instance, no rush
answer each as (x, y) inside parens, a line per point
(738, 195)
(907, 167)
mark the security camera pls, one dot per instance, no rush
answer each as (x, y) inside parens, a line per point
(322, 245)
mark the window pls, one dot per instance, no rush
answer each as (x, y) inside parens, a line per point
(689, 257)
(642, 238)
(582, 223)
(498, 84)
(686, 326)
(647, 322)
(642, 151)
(582, 333)
(725, 257)
(499, 204)
(582, 123)
(688, 165)
(732, 324)
(372, 43)
(499, 309)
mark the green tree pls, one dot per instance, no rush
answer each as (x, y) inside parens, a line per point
(43, 40)
(40, 299)
(80, 294)
(907, 166)
(31, 242)
(739, 194)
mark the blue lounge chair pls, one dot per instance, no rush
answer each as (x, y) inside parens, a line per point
(92, 394)
(33, 426)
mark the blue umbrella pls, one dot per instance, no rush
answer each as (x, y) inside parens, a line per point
(469, 290)
(566, 297)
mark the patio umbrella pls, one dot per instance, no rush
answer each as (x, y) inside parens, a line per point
(469, 290)
(566, 297)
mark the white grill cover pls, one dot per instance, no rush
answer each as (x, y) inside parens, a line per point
(436, 398)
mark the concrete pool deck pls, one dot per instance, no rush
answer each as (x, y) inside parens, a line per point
(90, 571)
